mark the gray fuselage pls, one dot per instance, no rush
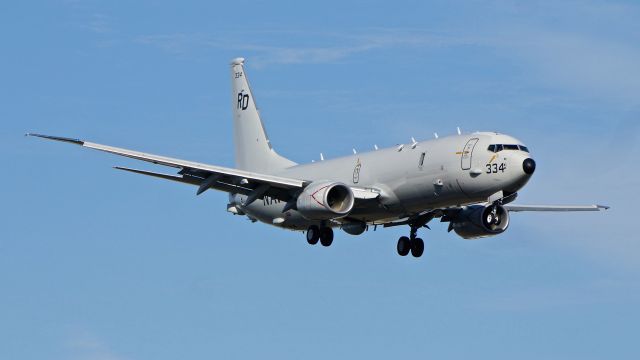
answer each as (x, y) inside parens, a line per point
(447, 172)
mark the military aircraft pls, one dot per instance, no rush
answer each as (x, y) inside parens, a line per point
(467, 180)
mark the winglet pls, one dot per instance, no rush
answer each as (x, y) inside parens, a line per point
(57, 138)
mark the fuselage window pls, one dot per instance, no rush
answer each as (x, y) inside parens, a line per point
(421, 162)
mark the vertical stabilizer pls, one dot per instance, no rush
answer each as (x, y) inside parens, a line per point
(252, 146)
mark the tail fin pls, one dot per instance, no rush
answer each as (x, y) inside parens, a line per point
(253, 149)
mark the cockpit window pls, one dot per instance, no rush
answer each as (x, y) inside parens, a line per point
(499, 147)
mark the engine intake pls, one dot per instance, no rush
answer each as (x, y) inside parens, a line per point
(325, 200)
(478, 221)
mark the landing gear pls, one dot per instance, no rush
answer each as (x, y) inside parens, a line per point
(412, 244)
(324, 234)
(417, 247)
(313, 234)
(404, 246)
(492, 217)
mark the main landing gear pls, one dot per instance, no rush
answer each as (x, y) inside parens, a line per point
(412, 244)
(324, 234)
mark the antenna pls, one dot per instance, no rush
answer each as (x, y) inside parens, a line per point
(459, 131)
(414, 143)
(400, 147)
(435, 135)
(375, 146)
(354, 151)
(321, 157)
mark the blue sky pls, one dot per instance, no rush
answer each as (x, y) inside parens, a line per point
(101, 265)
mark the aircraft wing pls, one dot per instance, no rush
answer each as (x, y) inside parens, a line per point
(254, 185)
(203, 175)
(520, 208)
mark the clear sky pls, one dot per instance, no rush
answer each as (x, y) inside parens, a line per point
(96, 264)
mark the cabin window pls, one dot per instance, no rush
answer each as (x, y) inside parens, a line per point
(421, 161)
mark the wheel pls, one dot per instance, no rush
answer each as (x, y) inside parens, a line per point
(490, 218)
(404, 246)
(313, 234)
(417, 247)
(326, 236)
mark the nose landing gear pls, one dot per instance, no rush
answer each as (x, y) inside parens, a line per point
(493, 218)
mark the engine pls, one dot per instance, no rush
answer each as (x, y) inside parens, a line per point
(478, 221)
(325, 200)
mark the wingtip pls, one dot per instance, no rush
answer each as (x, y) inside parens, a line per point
(57, 138)
(603, 207)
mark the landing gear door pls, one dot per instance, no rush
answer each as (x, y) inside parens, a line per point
(467, 153)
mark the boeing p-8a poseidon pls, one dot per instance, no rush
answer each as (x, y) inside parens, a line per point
(468, 181)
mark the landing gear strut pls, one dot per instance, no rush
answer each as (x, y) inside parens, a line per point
(324, 234)
(412, 244)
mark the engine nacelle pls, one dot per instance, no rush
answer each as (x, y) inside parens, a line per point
(479, 221)
(325, 200)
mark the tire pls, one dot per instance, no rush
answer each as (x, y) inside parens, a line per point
(490, 218)
(417, 247)
(313, 234)
(326, 236)
(404, 246)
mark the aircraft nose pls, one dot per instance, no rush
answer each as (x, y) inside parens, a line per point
(529, 166)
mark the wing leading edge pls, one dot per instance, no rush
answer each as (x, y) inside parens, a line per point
(560, 208)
